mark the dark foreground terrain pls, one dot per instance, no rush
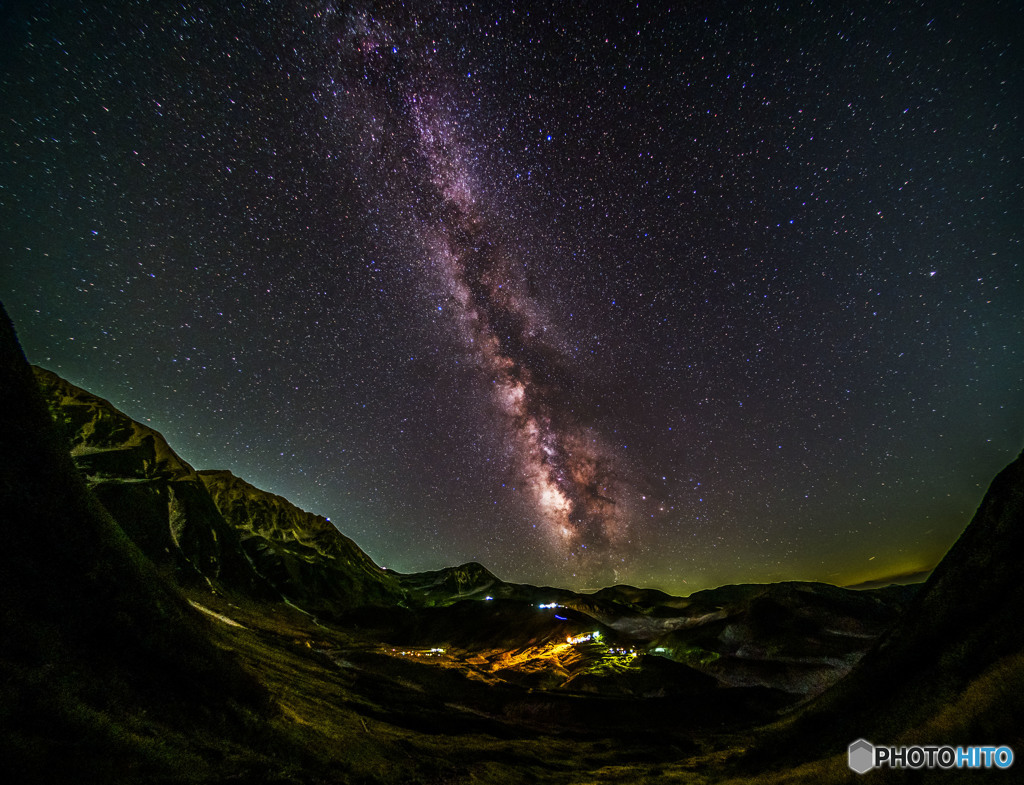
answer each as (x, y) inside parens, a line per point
(166, 625)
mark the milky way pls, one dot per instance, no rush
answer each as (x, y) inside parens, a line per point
(575, 483)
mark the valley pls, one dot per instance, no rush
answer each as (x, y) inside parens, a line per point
(173, 625)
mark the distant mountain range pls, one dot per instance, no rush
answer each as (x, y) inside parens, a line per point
(160, 622)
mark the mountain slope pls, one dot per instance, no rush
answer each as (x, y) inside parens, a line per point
(965, 618)
(210, 526)
(798, 636)
(155, 496)
(93, 640)
(452, 584)
(950, 670)
(302, 555)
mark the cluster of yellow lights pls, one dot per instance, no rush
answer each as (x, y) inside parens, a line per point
(419, 653)
(590, 636)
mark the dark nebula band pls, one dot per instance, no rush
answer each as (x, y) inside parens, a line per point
(576, 487)
(568, 471)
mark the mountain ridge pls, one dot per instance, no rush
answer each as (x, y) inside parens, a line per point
(302, 554)
(209, 526)
(953, 663)
(97, 646)
(240, 538)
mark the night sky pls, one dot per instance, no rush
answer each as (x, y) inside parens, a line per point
(671, 295)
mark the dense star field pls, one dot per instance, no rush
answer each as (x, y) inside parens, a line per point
(668, 295)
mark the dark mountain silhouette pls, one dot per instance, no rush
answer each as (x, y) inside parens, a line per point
(154, 495)
(96, 647)
(902, 579)
(451, 584)
(797, 636)
(951, 670)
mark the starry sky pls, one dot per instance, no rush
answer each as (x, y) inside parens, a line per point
(674, 295)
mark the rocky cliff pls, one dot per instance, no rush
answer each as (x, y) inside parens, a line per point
(302, 555)
(155, 496)
(210, 527)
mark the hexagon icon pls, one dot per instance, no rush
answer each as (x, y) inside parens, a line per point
(862, 756)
